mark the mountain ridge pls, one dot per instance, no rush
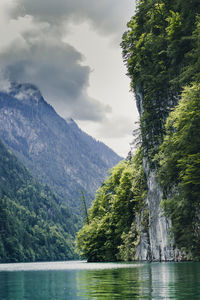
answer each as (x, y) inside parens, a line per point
(56, 151)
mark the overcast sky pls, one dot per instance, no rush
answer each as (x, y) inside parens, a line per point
(70, 50)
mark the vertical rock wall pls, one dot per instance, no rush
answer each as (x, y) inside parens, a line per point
(161, 247)
(154, 244)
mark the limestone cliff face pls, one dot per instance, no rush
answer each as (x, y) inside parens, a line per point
(154, 243)
(161, 248)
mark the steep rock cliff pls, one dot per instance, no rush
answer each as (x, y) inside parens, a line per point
(155, 243)
(159, 245)
(160, 53)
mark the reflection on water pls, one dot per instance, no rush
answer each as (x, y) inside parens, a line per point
(77, 280)
(118, 284)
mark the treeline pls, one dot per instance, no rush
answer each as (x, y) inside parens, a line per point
(161, 51)
(34, 224)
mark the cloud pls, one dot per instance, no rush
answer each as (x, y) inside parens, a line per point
(4, 83)
(54, 67)
(115, 127)
(104, 15)
(33, 50)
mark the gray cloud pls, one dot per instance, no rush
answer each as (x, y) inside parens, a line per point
(55, 68)
(117, 127)
(105, 15)
(37, 54)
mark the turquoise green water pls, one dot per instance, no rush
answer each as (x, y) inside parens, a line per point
(80, 280)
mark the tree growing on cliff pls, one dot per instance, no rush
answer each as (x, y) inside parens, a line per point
(155, 50)
(179, 171)
(112, 213)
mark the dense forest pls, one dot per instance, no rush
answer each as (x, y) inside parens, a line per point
(110, 220)
(161, 51)
(34, 224)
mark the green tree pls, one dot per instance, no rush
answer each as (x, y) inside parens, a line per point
(155, 50)
(179, 171)
(113, 211)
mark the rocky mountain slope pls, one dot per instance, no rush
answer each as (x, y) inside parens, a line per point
(56, 151)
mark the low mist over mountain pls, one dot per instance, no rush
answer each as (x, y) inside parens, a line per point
(56, 151)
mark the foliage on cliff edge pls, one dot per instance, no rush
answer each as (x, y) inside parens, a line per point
(161, 51)
(179, 171)
(157, 50)
(107, 234)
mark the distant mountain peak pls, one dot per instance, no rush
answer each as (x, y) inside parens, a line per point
(25, 91)
(57, 151)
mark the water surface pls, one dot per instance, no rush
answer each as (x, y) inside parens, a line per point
(81, 280)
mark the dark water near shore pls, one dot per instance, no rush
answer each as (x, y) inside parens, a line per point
(80, 280)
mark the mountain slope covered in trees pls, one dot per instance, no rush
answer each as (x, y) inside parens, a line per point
(34, 224)
(161, 51)
(56, 151)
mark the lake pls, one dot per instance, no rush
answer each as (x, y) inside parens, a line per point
(81, 280)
